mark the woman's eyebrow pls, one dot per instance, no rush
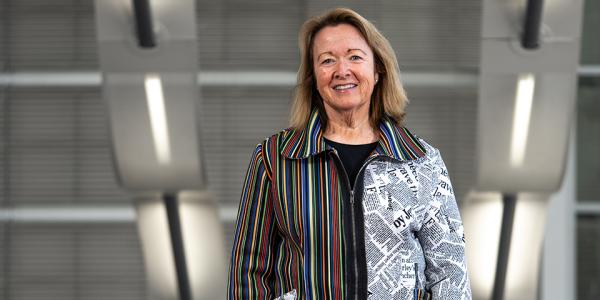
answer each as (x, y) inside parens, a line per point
(350, 50)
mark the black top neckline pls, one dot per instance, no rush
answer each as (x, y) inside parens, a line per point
(352, 156)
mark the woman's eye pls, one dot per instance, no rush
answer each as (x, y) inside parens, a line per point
(327, 61)
(355, 57)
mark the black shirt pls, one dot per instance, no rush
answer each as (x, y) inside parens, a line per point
(352, 157)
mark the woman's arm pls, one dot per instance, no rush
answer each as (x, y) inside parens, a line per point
(251, 261)
(442, 239)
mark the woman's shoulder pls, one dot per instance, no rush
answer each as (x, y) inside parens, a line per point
(285, 133)
(282, 136)
(276, 140)
(432, 154)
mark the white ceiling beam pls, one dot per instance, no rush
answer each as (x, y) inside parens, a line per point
(86, 214)
(225, 78)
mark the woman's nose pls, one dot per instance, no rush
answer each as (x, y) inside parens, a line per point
(342, 70)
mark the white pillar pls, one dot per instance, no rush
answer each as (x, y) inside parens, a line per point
(558, 270)
(203, 243)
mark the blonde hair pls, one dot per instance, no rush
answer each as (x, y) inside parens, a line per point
(388, 98)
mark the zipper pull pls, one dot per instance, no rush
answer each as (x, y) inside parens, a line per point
(351, 196)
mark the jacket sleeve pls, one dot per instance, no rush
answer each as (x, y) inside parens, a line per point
(252, 255)
(442, 239)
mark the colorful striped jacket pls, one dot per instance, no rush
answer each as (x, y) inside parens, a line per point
(302, 233)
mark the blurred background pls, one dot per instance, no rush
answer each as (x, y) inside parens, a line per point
(68, 230)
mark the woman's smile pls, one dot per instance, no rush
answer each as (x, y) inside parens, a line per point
(344, 87)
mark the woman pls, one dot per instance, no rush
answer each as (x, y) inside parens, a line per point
(347, 203)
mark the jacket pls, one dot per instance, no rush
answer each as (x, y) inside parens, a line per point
(302, 233)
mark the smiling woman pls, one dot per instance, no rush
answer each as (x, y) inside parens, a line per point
(347, 203)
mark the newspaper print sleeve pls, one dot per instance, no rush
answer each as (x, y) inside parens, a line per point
(252, 257)
(442, 238)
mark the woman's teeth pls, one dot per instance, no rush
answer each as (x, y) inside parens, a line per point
(345, 86)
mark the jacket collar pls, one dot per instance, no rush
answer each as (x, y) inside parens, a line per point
(394, 141)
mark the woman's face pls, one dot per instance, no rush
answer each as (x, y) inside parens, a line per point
(344, 68)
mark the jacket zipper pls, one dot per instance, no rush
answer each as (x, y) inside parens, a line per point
(352, 212)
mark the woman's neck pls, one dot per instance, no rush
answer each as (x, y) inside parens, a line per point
(349, 128)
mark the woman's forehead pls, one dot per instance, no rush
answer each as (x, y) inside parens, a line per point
(341, 37)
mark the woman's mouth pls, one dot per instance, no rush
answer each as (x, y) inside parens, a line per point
(341, 87)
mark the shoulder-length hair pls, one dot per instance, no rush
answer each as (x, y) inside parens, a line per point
(388, 98)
